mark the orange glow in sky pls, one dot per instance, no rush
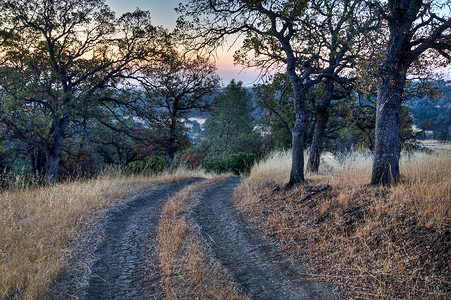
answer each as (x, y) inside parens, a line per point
(162, 13)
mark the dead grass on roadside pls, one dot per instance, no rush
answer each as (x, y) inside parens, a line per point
(373, 242)
(188, 267)
(39, 226)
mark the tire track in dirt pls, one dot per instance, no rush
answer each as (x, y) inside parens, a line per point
(126, 264)
(260, 268)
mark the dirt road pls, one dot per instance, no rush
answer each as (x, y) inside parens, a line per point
(123, 269)
(258, 266)
(127, 264)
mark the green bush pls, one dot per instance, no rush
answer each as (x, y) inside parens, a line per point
(241, 162)
(151, 166)
(215, 166)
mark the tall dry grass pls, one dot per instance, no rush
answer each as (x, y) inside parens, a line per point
(376, 242)
(425, 185)
(38, 227)
(276, 166)
(189, 269)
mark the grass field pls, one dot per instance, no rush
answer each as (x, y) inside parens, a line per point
(374, 242)
(436, 145)
(38, 228)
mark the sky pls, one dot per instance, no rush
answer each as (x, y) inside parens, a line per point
(162, 13)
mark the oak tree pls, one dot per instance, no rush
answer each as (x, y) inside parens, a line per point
(416, 30)
(174, 87)
(63, 56)
(275, 31)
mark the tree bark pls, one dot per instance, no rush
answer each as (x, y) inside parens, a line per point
(387, 147)
(316, 147)
(391, 82)
(55, 148)
(172, 142)
(52, 172)
(298, 133)
(319, 131)
(297, 163)
(52, 175)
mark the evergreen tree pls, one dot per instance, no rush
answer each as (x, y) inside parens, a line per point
(230, 130)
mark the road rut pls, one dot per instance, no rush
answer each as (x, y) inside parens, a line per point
(126, 264)
(260, 268)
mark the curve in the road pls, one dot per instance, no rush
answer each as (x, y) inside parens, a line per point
(260, 268)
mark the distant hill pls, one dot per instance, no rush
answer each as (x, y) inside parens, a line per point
(433, 115)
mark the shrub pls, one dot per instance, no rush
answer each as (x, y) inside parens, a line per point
(241, 162)
(150, 166)
(190, 159)
(238, 163)
(215, 166)
(80, 164)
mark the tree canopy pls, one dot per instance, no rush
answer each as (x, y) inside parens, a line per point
(174, 87)
(77, 81)
(312, 40)
(62, 59)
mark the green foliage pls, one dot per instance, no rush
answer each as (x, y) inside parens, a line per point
(433, 114)
(238, 163)
(241, 162)
(151, 166)
(351, 122)
(215, 166)
(356, 119)
(280, 134)
(230, 129)
(18, 178)
(175, 86)
(63, 61)
(275, 98)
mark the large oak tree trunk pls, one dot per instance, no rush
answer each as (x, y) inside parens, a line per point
(391, 82)
(316, 147)
(172, 143)
(54, 153)
(297, 163)
(387, 147)
(298, 133)
(171, 155)
(319, 131)
(52, 175)
(300, 90)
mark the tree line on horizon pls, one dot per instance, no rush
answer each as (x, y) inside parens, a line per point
(79, 85)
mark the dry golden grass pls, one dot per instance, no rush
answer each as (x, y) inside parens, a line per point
(275, 167)
(375, 242)
(188, 267)
(38, 228)
(436, 145)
